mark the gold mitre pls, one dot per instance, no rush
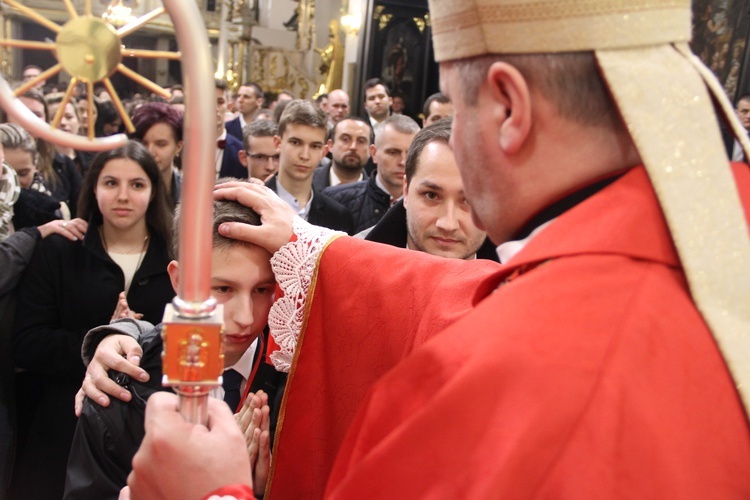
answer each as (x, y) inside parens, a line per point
(664, 95)
(467, 28)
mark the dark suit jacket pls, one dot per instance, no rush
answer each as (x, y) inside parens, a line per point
(230, 165)
(324, 211)
(322, 175)
(234, 128)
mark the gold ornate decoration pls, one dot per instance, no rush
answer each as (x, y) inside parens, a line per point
(306, 24)
(90, 49)
(277, 69)
(119, 14)
(421, 24)
(383, 19)
(332, 60)
(6, 57)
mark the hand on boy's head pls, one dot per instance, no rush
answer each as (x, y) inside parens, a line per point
(276, 215)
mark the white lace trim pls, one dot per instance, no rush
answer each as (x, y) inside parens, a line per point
(294, 267)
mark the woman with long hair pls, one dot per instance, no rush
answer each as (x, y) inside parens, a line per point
(71, 287)
(159, 127)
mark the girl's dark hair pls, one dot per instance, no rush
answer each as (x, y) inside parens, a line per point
(107, 114)
(152, 113)
(158, 215)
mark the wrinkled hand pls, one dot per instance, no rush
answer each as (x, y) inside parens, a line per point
(72, 229)
(276, 215)
(255, 422)
(178, 459)
(123, 310)
(109, 356)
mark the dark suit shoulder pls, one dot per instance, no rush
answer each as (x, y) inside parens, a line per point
(231, 165)
(345, 193)
(322, 177)
(234, 128)
(330, 213)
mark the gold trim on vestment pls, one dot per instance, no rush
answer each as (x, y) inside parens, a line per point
(677, 136)
(293, 368)
(477, 27)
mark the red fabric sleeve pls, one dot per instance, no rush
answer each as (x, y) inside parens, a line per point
(233, 491)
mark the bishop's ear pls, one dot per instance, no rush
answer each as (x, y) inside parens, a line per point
(509, 93)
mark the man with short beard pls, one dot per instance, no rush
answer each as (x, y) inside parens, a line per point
(369, 200)
(350, 150)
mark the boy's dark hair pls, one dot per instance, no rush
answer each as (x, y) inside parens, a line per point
(224, 211)
(303, 112)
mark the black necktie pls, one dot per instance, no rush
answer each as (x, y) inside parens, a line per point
(232, 382)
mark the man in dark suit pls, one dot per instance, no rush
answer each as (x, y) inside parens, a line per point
(249, 100)
(228, 147)
(302, 144)
(350, 150)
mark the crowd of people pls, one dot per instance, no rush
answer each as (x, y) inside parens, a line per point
(108, 262)
(502, 300)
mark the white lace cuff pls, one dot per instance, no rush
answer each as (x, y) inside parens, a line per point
(294, 268)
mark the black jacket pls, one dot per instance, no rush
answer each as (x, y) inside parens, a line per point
(106, 439)
(322, 175)
(15, 253)
(234, 128)
(364, 199)
(230, 163)
(392, 230)
(69, 287)
(68, 187)
(324, 211)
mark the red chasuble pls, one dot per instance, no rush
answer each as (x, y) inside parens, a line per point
(587, 374)
(369, 306)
